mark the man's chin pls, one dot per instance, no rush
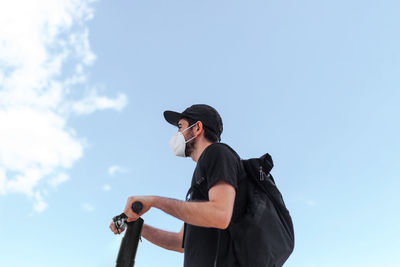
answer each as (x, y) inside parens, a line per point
(189, 149)
(188, 152)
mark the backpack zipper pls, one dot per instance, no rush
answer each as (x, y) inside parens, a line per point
(261, 174)
(218, 244)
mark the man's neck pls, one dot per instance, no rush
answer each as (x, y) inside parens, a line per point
(199, 148)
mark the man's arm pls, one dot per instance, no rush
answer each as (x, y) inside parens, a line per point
(217, 212)
(164, 239)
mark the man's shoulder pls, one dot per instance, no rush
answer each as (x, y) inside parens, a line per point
(220, 149)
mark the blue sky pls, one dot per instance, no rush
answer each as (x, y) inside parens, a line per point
(83, 86)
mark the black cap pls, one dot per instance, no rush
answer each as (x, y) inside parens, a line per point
(199, 112)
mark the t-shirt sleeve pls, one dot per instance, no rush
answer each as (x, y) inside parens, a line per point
(221, 164)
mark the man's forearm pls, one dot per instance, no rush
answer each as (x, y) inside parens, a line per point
(216, 212)
(205, 214)
(164, 239)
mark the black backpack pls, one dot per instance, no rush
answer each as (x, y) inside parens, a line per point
(263, 235)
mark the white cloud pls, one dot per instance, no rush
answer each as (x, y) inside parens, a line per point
(106, 187)
(2, 181)
(40, 205)
(87, 207)
(38, 92)
(114, 169)
(95, 102)
(57, 180)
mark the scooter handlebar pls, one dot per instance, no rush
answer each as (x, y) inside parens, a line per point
(137, 207)
(130, 241)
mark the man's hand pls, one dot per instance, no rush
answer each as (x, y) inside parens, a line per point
(146, 202)
(114, 230)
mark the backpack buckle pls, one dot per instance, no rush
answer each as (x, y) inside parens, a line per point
(261, 174)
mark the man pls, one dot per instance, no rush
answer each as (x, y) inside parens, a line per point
(207, 213)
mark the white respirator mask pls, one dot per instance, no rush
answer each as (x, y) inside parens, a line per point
(178, 143)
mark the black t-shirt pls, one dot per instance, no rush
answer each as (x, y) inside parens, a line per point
(217, 163)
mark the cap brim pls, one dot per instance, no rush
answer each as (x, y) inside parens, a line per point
(172, 117)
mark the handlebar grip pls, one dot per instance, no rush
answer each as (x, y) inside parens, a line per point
(137, 207)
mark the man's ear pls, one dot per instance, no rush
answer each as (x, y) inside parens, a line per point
(199, 126)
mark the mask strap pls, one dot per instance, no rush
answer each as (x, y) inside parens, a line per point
(190, 139)
(188, 129)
